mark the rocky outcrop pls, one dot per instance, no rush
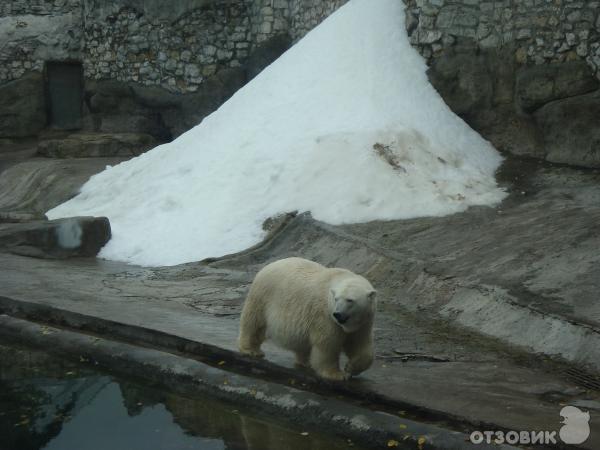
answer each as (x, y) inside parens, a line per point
(63, 238)
(496, 64)
(86, 145)
(159, 69)
(571, 130)
(265, 53)
(523, 110)
(479, 87)
(538, 33)
(34, 34)
(116, 107)
(539, 85)
(22, 106)
(30, 188)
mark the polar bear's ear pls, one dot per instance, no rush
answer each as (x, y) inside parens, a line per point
(372, 294)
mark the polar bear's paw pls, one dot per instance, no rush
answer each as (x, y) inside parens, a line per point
(253, 352)
(334, 375)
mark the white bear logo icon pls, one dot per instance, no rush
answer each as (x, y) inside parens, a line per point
(576, 428)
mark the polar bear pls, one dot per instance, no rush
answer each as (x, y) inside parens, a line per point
(314, 311)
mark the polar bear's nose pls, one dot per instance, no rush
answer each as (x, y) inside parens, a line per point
(341, 318)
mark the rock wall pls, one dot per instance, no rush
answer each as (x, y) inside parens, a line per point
(38, 7)
(140, 56)
(304, 15)
(175, 45)
(141, 43)
(35, 31)
(31, 33)
(540, 31)
(524, 73)
(133, 47)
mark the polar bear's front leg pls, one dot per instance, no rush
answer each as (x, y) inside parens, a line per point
(326, 362)
(359, 349)
(302, 358)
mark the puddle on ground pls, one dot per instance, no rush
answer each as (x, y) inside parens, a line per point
(54, 404)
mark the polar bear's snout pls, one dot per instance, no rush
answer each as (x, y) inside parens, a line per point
(341, 318)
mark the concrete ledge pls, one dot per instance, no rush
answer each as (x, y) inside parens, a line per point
(214, 353)
(184, 374)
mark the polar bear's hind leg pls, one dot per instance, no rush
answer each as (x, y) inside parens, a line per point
(252, 330)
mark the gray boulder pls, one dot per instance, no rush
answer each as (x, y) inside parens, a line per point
(114, 107)
(56, 239)
(30, 188)
(538, 85)
(267, 52)
(22, 106)
(479, 87)
(571, 130)
(464, 81)
(118, 107)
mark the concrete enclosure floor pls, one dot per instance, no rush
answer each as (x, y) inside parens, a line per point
(488, 319)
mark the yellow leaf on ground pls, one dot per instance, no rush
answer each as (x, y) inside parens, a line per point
(393, 443)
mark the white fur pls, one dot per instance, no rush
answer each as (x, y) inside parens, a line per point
(293, 301)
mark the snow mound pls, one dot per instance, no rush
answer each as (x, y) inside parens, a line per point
(345, 125)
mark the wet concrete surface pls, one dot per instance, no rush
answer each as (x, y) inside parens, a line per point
(540, 245)
(488, 318)
(431, 370)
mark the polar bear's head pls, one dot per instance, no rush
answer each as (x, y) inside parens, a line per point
(352, 302)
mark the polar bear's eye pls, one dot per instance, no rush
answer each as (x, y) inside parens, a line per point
(349, 300)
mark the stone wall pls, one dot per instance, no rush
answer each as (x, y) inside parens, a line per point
(35, 31)
(38, 7)
(515, 70)
(540, 31)
(304, 15)
(129, 46)
(31, 33)
(139, 56)
(268, 18)
(124, 42)
(523, 73)
(175, 46)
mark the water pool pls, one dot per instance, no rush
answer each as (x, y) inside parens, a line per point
(54, 404)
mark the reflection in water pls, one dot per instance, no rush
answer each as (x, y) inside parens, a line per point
(48, 403)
